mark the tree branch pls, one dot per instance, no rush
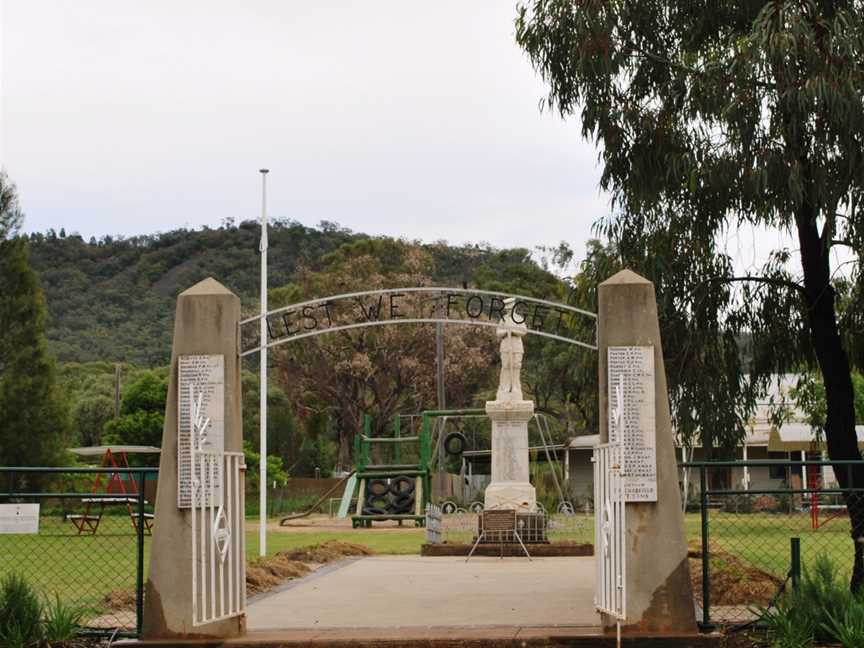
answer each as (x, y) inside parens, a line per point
(771, 281)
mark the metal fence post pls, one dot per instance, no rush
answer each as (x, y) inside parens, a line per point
(795, 571)
(139, 574)
(706, 572)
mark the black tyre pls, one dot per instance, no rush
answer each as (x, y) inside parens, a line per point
(377, 487)
(402, 485)
(374, 511)
(403, 504)
(454, 443)
(448, 508)
(380, 502)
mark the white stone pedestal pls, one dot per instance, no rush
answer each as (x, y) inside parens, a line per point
(510, 487)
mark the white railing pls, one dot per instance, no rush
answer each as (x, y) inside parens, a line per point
(609, 530)
(218, 539)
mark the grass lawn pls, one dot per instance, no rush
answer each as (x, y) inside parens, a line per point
(382, 542)
(762, 539)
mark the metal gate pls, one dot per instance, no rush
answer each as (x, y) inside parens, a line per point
(609, 530)
(218, 539)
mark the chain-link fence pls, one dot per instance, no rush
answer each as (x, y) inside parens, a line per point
(753, 525)
(80, 535)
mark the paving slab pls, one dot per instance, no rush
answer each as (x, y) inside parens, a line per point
(421, 592)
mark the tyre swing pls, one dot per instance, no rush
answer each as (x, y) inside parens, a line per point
(454, 443)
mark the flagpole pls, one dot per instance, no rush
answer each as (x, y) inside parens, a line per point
(262, 379)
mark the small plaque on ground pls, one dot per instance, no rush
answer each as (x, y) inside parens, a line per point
(205, 374)
(632, 418)
(19, 518)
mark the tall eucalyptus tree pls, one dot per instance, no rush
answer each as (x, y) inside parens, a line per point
(710, 116)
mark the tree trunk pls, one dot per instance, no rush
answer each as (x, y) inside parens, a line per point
(840, 433)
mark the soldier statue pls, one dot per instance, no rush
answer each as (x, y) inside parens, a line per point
(510, 333)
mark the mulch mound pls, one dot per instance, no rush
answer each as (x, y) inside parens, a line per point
(327, 552)
(265, 574)
(734, 581)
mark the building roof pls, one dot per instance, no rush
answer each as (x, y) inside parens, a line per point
(799, 436)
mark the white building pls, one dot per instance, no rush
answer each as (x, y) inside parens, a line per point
(793, 440)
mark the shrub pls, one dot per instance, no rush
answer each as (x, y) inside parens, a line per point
(820, 609)
(787, 628)
(20, 613)
(738, 504)
(25, 622)
(61, 622)
(848, 629)
(765, 503)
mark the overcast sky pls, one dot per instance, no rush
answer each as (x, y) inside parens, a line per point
(407, 118)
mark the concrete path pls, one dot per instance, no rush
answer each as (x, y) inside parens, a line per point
(414, 591)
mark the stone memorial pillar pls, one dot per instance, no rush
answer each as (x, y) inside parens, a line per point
(510, 487)
(659, 595)
(207, 323)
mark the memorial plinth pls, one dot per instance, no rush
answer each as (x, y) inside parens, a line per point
(510, 487)
(206, 356)
(659, 594)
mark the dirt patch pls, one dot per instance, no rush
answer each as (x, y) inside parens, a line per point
(119, 600)
(734, 581)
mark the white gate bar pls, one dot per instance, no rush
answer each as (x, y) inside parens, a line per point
(218, 543)
(609, 530)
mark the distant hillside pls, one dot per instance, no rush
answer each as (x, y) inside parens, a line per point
(113, 299)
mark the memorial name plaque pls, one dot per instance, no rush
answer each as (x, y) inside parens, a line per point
(632, 419)
(19, 518)
(205, 374)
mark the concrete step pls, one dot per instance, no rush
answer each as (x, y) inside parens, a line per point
(444, 637)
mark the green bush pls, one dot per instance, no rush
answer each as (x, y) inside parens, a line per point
(848, 629)
(787, 628)
(738, 504)
(821, 609)
(61, 622)
(20, 613)
(25, 622)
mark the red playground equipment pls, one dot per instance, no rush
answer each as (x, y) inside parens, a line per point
(814, 482)
(119, 489)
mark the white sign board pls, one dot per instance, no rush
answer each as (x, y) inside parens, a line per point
(205, 374)
(632, 418)
(19, 518)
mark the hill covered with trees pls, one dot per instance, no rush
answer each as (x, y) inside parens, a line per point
(113, 299)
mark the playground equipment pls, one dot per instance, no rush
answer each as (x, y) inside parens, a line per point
(390, 488)
(350, 478)
(391, 485)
